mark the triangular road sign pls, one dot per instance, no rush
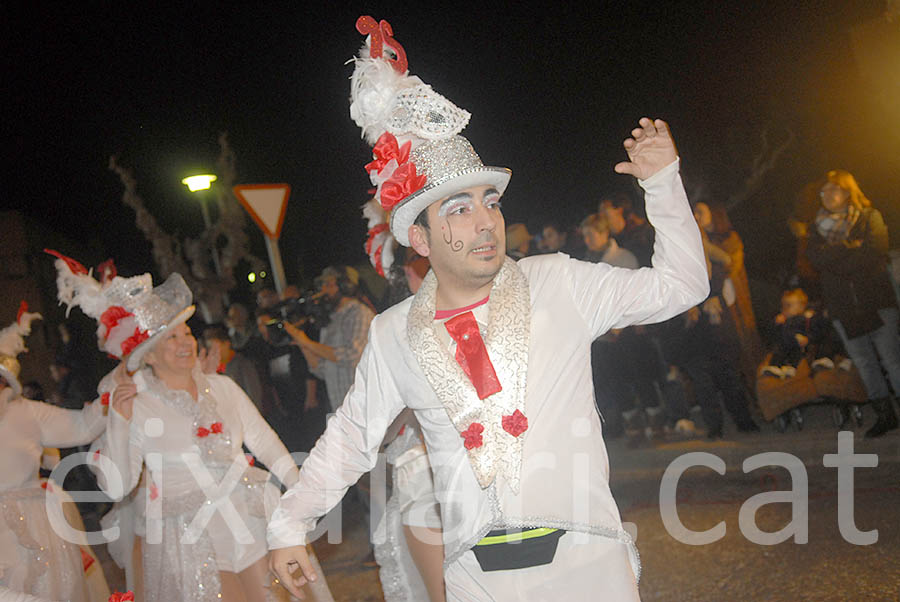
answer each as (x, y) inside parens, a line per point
(266, 203)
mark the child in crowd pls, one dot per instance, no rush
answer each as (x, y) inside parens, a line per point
(800, 331)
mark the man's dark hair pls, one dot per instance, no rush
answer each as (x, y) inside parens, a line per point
(422, 219)
(215, 332)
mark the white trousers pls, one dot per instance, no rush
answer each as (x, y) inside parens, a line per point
(596, 570)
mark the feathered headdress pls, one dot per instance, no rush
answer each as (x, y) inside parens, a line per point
(418, 155)
(12, 343)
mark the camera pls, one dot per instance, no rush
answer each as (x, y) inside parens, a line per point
(310, 309)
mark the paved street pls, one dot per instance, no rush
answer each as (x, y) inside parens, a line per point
(826, 568)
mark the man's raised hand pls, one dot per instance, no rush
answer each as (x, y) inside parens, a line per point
(649, 149)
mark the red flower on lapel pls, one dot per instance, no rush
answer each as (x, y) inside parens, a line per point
(516, 424)
(202, 431)
(472, 436)
(216, 427)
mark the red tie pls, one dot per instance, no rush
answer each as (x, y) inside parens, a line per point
(472, 355)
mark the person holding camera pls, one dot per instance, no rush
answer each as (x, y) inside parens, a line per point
(334, 357)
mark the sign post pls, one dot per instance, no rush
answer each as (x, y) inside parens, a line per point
(266, 204)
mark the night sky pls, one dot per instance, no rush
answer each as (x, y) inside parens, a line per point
(552, 91)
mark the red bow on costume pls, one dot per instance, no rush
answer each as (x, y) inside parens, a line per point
(472, 354)
(122, 597)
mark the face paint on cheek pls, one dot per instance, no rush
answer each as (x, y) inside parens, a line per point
(447, 237)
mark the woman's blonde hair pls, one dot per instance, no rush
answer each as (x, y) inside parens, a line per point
(845, 180)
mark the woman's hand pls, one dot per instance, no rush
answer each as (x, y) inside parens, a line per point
(123, 399)
(209, 359)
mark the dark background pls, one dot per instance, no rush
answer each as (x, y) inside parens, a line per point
(552, 90)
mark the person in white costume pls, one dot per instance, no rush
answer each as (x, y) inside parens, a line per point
(493, 357)
(408, 546)
(34, 559)
(202, 536)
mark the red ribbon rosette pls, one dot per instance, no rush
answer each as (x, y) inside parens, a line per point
(400, 185)
(386, 149)
(472, 436)
(133, 341)
(202, 432)
(118, 596)
(515, 424)
(216, 427)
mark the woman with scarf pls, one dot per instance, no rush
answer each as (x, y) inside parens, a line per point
(848, 245)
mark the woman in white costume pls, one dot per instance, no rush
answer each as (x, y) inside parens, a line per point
(34, 559)
(408, 545)
(201, 525)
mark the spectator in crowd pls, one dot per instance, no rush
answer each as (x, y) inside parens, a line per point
(848, 245)
(601, 247)
(726, 254)
(240, 328)
(231, 363)
(626, 366)
(267, 298)
(703, 344)
(294, 391)
(554, 239)
(518, 241)
(629, 227)
(798, 332)
(73, 384)
(335, 355)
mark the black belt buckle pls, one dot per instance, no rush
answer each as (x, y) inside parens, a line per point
(516, 554)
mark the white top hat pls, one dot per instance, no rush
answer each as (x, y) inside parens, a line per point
(419, 155)
(12, 343)
(131, 314)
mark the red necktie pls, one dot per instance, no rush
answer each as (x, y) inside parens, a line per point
(472, 354)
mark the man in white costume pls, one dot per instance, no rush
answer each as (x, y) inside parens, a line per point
(493, 357)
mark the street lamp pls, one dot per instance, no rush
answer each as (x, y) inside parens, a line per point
(199, 183)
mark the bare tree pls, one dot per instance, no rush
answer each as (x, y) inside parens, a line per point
(193, 257)
(764, 160)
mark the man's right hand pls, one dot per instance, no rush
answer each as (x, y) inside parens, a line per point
(284, 562)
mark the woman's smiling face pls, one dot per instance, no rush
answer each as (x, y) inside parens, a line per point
(175, 353)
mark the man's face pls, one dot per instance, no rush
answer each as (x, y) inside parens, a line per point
(792, 305)
(551, 240)
(236, 318)
(615, 216)
(594, 240)
(466, 238)
(266, 298)
(330, 288)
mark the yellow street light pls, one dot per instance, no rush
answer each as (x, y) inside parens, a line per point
(199, 182)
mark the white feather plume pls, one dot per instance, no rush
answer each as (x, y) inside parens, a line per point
(375, 215)
(12, 338)
(80, 290)
(373, 89)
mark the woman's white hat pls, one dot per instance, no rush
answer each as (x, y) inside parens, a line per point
(131, 314)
